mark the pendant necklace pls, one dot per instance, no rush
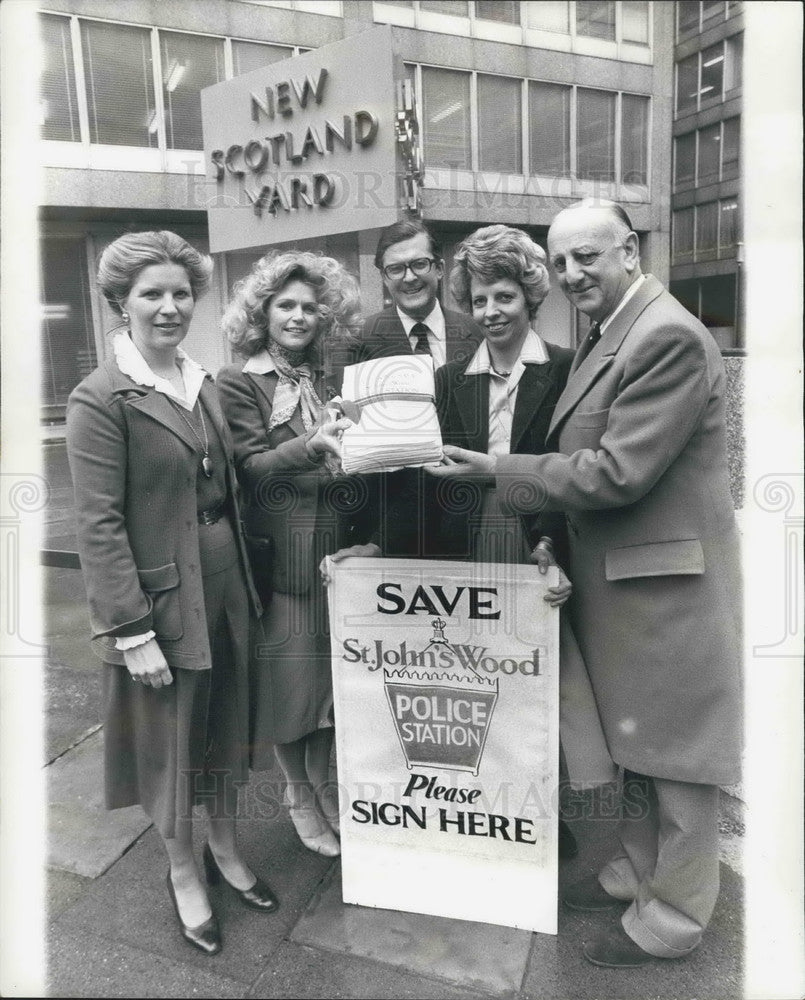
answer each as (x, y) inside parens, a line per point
(206, 463)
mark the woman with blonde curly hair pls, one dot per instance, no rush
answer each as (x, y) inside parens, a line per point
(281, 320)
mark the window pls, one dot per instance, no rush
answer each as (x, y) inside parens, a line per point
(595, 135)
(68, 345)
(500, 124)
(189, 63)
(634, 139)
(446, 110)
(458, 8)
(717, 308)
(687, 13)
(714, 301)
(683, 235)
(595, 19)
(634, 22)
(734, 61)
(505, 11)
(549, 15)
(58, 102)
(707, 231)
(687, 84)
(712, 72)
(730, 148)
(549, 128)
(247, 56)
(709, 159)
(119, 77)
(729, 228)
(712, 13)
(685, 159)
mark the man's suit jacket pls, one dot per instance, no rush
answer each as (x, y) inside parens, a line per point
(401, 502)
(462, 402)
(384, 336)
(642, 476)
(134, 463)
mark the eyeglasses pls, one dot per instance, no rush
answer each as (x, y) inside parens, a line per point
(419, 266)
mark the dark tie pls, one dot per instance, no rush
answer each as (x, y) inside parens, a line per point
(590, 341)
(421, 331)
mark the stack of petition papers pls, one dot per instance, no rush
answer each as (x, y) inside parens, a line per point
(398, 426)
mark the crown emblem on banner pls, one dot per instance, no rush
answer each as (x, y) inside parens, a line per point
(441, 707)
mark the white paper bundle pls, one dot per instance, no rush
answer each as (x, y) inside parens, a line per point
(398, 426)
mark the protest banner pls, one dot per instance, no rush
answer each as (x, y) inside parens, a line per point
(446, 698)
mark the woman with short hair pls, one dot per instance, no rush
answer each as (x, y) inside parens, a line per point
(166, 572)
(501, 402)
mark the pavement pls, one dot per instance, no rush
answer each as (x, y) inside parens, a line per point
(111, 931)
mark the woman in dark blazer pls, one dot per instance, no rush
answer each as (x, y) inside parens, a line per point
(502, 399)
(501, 402)
(287, 447)
(166, 572)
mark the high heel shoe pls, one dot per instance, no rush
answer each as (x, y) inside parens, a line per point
(206, 937)
(258, 897)
(313, 833)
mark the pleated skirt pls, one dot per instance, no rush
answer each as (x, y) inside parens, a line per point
(170, 748)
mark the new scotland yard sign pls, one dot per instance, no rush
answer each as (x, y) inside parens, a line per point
(304, 147)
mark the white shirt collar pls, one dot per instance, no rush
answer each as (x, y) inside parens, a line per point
(261, 363)
(532, 352)
(630, 291)
(132, 363)
(434, 321)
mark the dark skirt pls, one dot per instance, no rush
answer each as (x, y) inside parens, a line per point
(168, 749)
(291, 680)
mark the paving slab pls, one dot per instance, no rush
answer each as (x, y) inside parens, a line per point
(130, 904)
(557, 968)
(62, 889)
(479, 956)
(72, 677)
(83, 837)
(305, 973)
(83, 965)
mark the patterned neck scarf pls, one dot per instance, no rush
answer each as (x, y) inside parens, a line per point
(294, 389)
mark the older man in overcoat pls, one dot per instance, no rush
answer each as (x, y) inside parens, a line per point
(640, 470)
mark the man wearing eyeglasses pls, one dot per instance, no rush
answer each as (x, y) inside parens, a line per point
(409, 258)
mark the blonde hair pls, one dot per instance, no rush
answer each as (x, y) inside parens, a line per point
(245, 320)
(496, 252)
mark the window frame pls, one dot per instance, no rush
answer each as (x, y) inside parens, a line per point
(472, 26)
(141, 159)
(528, 182)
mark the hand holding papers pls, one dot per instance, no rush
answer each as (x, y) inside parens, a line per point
(398, 425)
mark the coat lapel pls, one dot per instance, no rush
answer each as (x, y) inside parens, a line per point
(266, 385)
(471, 396)
(534, 385)
(152, 403)
(583, 377)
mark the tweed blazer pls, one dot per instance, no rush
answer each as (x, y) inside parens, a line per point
(134, 465)
(462, 402)
(641, 472)
(288, 496)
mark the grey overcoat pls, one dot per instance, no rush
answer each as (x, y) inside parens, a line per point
(641, 474)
